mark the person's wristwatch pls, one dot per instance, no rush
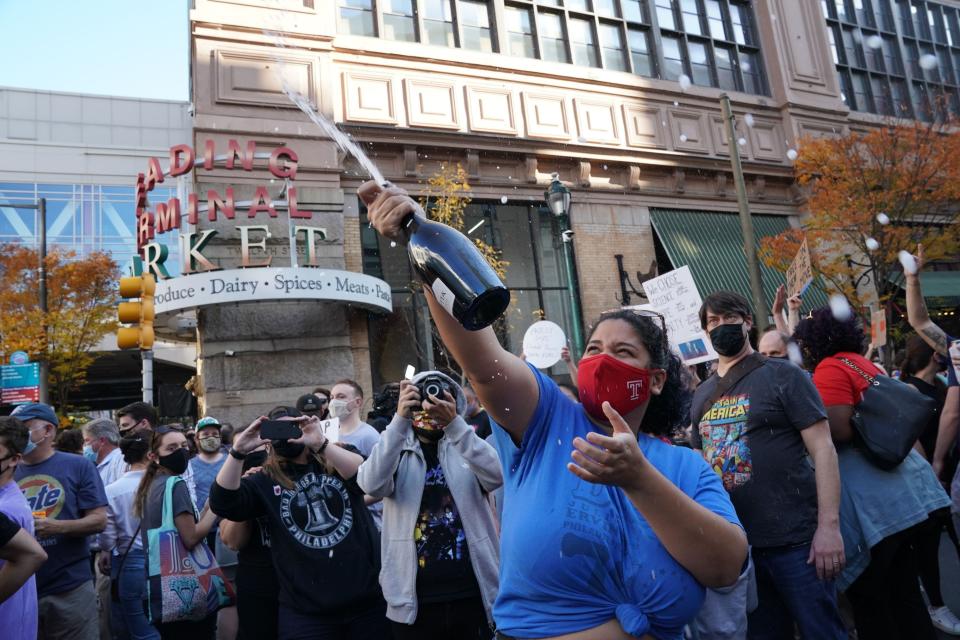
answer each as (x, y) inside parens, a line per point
(323, 447)
(237, 455)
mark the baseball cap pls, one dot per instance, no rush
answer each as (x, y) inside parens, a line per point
(36, 411)
(309, 402)
(209, 421)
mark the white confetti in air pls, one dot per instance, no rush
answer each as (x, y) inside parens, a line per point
(676, 104)
(874, 42)
(792, 154)
(684, 81)
(872, 244)
(840, 308)
(843, 96)
(883, 218)
(683, 137)
(393, 244)
(928, 61)
(748, 119)
(503, 199)
(741, 141)
(793, 352)
(908, 261)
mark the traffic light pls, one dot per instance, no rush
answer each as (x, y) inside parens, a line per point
(138, 313)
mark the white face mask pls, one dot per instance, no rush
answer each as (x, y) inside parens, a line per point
(339, 408)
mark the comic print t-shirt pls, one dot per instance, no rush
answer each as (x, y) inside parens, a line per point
(444, 571)
(751, 438)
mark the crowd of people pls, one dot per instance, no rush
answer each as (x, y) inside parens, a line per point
(641, 502)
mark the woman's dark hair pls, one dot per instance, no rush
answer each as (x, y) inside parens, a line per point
(822, 335)
(135, 447)
(916, 356)
(69, 441)
(669, 411)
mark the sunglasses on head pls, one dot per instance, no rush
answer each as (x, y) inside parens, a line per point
(657, 319)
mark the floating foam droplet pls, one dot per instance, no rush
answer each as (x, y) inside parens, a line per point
(928, 61)
(794, 353)
(872, 244)
(683, 137)
(883, 218)
(393, 243)
(840, 308)
(748, 119)
(676, 104)
(745, 65)
(874, 42)
(843, 96)
(792, 154)
(908, 261)
(741, 141)
(684, 81)
(503, 199)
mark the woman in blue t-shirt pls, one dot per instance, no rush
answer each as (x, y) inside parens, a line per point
(608, 531)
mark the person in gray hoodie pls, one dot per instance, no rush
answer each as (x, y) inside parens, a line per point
(439, 545)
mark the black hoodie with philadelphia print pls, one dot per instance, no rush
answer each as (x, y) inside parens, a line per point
(324, 544)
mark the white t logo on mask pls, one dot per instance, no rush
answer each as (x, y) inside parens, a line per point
(635, 386)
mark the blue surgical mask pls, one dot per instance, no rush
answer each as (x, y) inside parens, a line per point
(89, 453)
(31, 445)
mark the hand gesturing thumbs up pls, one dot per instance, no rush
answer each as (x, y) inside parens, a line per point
(614, 460)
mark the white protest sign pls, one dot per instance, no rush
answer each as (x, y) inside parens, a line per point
(331, 429)
(674, 295)
(542, 344)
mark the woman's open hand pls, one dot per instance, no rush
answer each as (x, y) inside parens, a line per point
(614, 460)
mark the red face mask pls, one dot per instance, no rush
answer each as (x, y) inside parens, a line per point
(603, 378)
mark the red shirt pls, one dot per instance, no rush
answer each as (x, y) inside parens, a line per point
(837, 383)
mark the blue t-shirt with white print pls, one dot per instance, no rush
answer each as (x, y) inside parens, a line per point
(575, 555)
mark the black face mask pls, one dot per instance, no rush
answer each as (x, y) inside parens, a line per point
(176, 462)
(431, 435)
(728, 339)
(287, 449)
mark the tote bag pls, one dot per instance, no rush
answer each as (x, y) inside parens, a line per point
(889, 418)
(182, 584)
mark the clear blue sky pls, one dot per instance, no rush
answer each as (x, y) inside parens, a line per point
(130, 48)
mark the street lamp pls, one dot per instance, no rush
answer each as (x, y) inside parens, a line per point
(558, 202)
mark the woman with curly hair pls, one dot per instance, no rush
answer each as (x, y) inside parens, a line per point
(882, 513)
(609, 531)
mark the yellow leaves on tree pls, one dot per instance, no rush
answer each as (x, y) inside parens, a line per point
(908, 172)
(446, 199)
(81, 297)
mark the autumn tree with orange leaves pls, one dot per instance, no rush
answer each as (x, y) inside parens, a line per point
(905, 173)
(81, 303)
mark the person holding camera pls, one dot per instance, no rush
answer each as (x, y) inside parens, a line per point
(323, 541)
(440, 546)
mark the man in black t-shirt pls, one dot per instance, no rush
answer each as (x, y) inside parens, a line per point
(756, 434)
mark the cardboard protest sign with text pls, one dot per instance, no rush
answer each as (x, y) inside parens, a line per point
(674, 295)
(800, 273)
(878, 328)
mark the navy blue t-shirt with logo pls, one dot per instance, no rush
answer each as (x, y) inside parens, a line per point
(62, 487)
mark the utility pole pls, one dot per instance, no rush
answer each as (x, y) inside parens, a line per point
(146, 356)
(760, 311)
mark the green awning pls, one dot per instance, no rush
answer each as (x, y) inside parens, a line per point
(936, 284)
(710, 242)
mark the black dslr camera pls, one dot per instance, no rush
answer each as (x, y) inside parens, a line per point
(434, 386)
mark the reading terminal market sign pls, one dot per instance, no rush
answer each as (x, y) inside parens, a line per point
(203, 283)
